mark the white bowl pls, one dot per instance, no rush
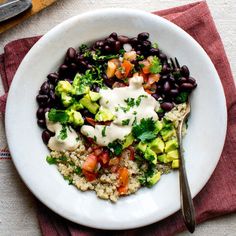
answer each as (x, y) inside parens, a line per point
(203, 143)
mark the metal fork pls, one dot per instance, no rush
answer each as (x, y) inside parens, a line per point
(186, 201)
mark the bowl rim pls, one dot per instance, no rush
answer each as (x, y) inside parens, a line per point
(58, 28)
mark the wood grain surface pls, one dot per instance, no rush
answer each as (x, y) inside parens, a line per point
(37, 5)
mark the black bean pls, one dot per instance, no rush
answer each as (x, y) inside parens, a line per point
(52, 95)
(113, 35)
(138, 52)
(165, 69)
(47, 109)
(71, 54)
(51, 87)
(95, 88)
(184, 71)
(171, 78)
(110, 42)
(123, 39)
(146, 45)
(45, 87)
(63, 70)
(182, 80)
(107, 49)
(41, 98)
(166, 87)
(134, 41)
(143, 36)
(41, 123)
(73, 68)
(46, 135)
(159, 88)
(174, 92)
(167, 106)
(40, 113)
(154, 52)
(53, 78)
(117, 46)
(162, 56)
(89, 66)
(191, 80)
(139, 46)
(156, 96)
(186, 86)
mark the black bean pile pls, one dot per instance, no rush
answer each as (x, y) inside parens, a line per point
(174, 86)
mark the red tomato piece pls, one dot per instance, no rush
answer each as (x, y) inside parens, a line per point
(90, 163)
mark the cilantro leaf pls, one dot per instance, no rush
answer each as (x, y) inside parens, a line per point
(58, 116)
(104, 131)
(130, 101)
(138, 101)
(116, 147)
(182, 97)
(50, 160)
(63, 133)
(145, 130)
(125, 122)
(156, 66)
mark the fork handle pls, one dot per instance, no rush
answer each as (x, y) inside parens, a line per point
(186, 201)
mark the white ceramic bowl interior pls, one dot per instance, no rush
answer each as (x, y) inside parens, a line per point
(203, 143)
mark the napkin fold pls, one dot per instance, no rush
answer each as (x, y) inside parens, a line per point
(218, 197)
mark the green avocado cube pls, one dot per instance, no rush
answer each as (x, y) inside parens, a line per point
(66, 99)
(162, 158)
(94, 96)
(76, 106)
(128, 141)
(173, 155)
(157, 145)
(78, 119)
(87, 103)
(104, 115)
(142, 147)
(175, 164)
(171, 145)
(63, 86)
(159, 125)
(168, 134)
(151, 156)
(154, 179)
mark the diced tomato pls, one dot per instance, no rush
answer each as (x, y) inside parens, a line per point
(97, 151)
(89, 176)
(127, 66)
(114, 169)
(145, 77)
(90, 120)
(149, 91)
(118, 85)
(114, 161)
(122, 190)
(123, 175)
(131, 155)
(145, 66)
(119, 74)
(90, 163)
(152, 78)
(104, 158)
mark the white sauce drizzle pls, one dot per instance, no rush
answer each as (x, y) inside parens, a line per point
(114, 100)
(55, 143)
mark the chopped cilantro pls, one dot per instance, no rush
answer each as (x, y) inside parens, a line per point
(155, 45)
(130, 101)
(116, 147)
(125, 122)
(182, 97)
(58, 116)
(63, 133)
(139, 57)
(95, 138)
(135, 113)
(116, 108)
(156, 66)
(78, 170)
(104, 131)
(83, 48)
(141, 65)
(122, 51)
(50, 160)
(69, 179)
(145, 130)
(138, 101)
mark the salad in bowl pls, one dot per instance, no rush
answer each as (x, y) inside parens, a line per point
(110, 114)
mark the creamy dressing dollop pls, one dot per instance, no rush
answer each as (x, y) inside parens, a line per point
(116, 101)
(55, 143)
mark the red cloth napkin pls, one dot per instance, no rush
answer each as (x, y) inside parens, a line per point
(218, 197)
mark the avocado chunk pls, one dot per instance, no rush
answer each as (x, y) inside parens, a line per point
(75, 118)
(172, 155)
(168, 134)
(104, 115)
(175, 164)
(162, 158)
(159, 125)
(154, 179)
(150, 155)
(76, 106)
(63, 86)
(157, 145)
(66, 99)
(87, 103)
(142, 147)
(171, 145)
(94, 96)
(128, 141)
(78, 87)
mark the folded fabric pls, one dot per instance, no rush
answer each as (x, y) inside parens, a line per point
(218, 197)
